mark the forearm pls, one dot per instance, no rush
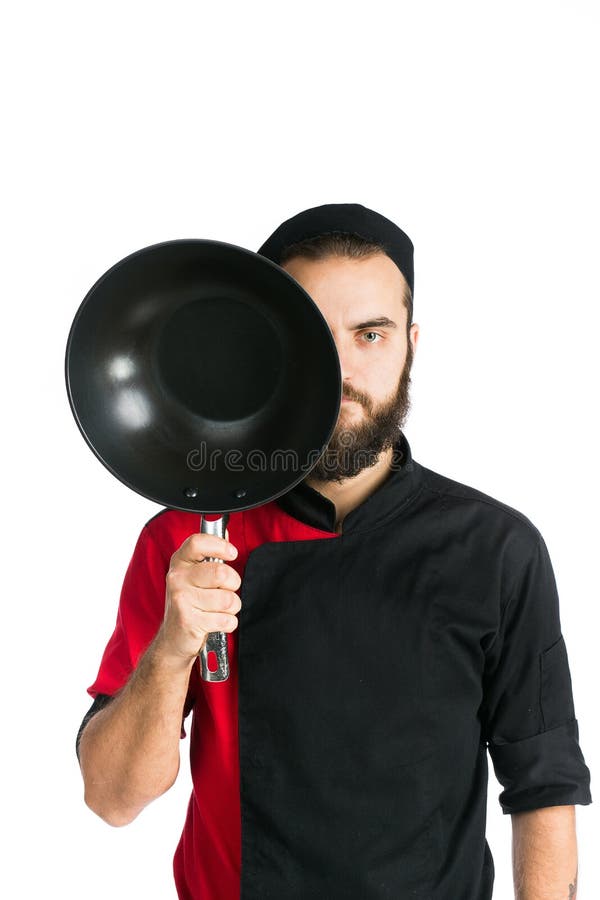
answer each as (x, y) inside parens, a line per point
(129, 751)
(544, 854)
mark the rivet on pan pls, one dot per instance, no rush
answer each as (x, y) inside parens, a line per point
(191, 492)
(241, 492)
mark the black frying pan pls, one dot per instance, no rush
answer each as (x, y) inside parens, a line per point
(205, 378)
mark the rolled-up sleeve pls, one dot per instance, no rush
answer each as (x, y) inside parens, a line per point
(528, 711)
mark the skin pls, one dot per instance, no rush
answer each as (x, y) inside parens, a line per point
(544, 853)
(373, 361)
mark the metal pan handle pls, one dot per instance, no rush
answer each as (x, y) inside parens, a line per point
(216, 641)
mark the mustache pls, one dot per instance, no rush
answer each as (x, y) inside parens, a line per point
(358, 399)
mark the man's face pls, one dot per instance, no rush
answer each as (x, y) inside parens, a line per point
(375, 359)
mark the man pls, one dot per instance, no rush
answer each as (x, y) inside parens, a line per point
(394, 626)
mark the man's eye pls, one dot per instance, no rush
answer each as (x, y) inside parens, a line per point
(366, 333)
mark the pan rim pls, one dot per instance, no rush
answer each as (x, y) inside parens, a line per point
(68, 351)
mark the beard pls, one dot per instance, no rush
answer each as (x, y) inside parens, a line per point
(353, 448)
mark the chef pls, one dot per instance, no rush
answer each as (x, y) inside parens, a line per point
(387, 628)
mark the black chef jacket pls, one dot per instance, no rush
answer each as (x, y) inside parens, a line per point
(375, 671)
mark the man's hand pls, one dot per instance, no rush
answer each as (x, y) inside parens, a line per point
(544, 854)
(200, 597)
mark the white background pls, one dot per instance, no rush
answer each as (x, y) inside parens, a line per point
(472, 125)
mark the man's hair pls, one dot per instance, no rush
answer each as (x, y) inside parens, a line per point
(342, 244)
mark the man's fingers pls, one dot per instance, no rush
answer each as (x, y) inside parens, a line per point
(197, 547)
(203, 575)
(217, 601)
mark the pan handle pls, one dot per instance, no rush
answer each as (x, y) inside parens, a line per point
(216, 640)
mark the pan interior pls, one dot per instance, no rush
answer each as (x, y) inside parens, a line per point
(204, 342)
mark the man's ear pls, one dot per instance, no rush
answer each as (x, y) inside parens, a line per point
(414, 332)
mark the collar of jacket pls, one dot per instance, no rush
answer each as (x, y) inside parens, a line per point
(403, 483)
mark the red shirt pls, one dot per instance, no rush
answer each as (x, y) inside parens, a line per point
(208, 858)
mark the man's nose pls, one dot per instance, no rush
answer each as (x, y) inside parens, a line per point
(345, 357)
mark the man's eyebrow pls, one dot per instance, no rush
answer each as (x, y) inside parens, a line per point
(381, 322)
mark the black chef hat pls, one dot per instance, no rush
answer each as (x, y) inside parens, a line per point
(347, 218)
